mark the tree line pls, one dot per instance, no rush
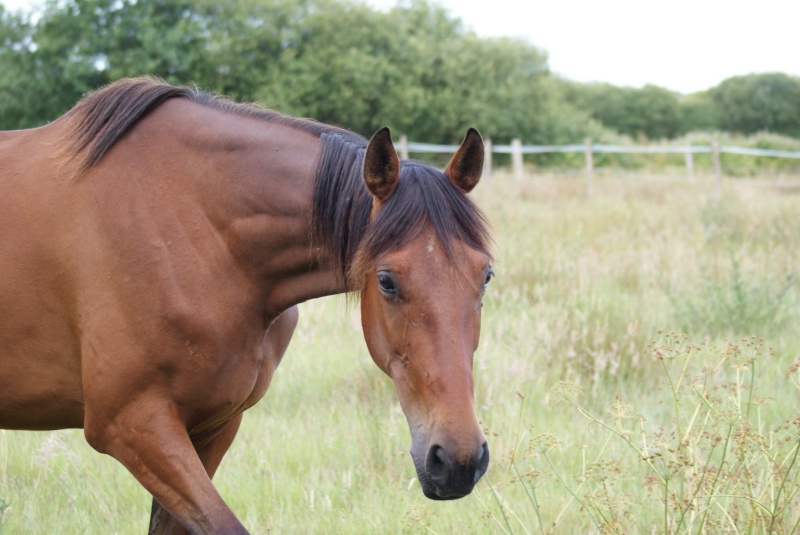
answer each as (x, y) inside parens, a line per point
(414, 68)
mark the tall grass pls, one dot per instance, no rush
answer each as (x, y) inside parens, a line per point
(717, 461)
(701, 432)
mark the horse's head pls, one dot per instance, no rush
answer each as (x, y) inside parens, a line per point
(424, 269)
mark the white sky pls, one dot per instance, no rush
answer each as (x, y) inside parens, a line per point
(683, 45)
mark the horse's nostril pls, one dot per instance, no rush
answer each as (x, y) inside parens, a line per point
(481, 451)
(437, 465)
(483, 461)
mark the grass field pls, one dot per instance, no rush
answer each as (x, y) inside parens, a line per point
(637, 373)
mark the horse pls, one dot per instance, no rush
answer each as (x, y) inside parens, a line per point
(155, 242)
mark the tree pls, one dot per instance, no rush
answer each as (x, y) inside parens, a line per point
(15, 55)
(699, 112)
(759, 102)
(652, 112)
(658, 112)
(414, 68)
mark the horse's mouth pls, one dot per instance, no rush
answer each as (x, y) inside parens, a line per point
(431, 494)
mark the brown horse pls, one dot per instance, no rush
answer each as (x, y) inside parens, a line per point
(154, 244)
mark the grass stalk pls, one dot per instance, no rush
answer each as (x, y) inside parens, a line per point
(573, 494)
(517, 436)
(500, 504)
(531, 494)
(774, 513)
(585, 413)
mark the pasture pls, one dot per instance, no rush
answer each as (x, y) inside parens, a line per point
(601, 416)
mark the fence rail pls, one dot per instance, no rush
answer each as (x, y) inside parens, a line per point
(516, 149)
(412, 146)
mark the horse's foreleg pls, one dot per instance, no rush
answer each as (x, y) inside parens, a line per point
(210, 452)
(149, 438)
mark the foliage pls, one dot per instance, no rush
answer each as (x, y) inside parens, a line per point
(414, 67)
(733, 302)
(651, 112)
(699, 112)
(756, 102)
(742, 104)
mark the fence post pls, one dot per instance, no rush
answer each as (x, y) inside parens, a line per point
(403, 147)
(589, 166)
(487, 159)
(689, 157)
(516, 159)
(715, 162)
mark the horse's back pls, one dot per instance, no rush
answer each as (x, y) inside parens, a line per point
(40, 382)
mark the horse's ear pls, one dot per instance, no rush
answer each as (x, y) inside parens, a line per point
(381, 165)
(466, 166)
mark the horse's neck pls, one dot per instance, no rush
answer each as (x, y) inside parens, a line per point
(254, 180)
(272, 171)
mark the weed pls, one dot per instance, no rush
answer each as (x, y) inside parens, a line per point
(710, 464)
(738, 304)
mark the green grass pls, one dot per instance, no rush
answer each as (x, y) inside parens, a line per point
(584, 288)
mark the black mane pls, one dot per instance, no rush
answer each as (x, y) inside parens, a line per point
(424, 196)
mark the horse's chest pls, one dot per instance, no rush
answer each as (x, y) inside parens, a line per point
(228, 391)
(243, 380)
(271, 350)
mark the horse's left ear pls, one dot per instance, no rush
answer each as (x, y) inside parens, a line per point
(381, 165)
(466, 166)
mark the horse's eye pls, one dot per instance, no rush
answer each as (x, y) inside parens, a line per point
(386, 282)
(489, 276)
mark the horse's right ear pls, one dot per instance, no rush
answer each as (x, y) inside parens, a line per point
(466, 166)
(381, 165)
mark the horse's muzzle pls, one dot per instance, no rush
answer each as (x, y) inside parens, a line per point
(443, 478)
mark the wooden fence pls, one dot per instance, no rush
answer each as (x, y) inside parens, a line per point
(516, 149)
